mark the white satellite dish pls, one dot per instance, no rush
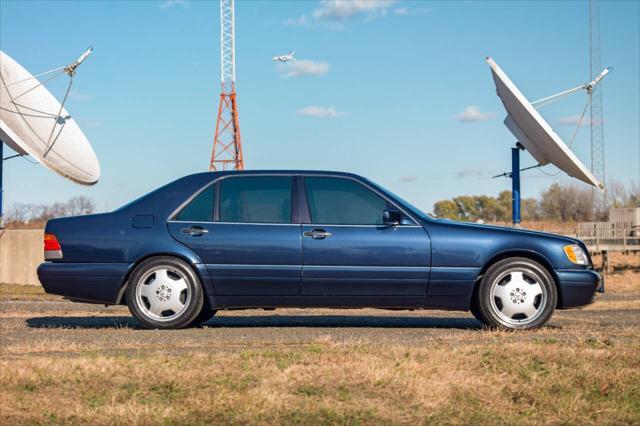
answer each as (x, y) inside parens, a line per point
(33, 122)
(534, 133)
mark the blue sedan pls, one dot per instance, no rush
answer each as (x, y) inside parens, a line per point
(269, 239)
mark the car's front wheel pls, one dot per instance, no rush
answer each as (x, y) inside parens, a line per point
(164, 292)
(516, 293)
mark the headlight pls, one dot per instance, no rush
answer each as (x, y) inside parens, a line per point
(576, 255)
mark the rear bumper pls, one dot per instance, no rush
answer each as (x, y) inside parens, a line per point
(578, 287)
(91, 282)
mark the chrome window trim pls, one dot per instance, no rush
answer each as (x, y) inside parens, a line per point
(216, 180)
(416, 223)
(236, 223)
(359, 226)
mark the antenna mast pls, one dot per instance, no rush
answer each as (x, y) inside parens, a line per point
(598, 201)
(227, 145)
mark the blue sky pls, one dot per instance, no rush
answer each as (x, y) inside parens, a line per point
(383, 86)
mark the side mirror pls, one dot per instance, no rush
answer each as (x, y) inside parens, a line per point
(391, 217)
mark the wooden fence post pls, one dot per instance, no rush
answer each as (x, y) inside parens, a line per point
(607, 265)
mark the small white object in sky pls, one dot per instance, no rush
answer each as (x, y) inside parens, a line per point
(284, 58)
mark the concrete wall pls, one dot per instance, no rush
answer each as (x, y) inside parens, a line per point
(631, 214)
(21, 251)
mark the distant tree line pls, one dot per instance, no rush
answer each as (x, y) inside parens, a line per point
(21, 215)
(559, 202)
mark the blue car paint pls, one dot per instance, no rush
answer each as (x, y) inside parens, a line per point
(273, 252)
(577, 287)
(432, 263)
(366, 261)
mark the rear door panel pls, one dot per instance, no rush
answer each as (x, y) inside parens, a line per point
(250, 247)
(247, 259)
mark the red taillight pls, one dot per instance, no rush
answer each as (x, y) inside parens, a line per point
(51, 243)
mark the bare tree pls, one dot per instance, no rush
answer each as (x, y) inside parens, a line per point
(80, 205)
(560, 202)
(622, 196)
(35, 215)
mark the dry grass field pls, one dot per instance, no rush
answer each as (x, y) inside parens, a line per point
(78, 364)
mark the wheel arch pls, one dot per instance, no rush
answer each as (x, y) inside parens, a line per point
(121, 299)
(529, 254)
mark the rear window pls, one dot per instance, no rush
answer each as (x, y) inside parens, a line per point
(200, 209)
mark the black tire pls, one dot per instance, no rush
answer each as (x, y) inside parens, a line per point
(205, 315)
(147, 294)
(516, 294)
(475, 309)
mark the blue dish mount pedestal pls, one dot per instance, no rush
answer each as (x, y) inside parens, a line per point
(514, 174)
(515, 185)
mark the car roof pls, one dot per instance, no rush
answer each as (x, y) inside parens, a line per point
(280, 172)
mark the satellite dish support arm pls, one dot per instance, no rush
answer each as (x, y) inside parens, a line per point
(70, 69)
(587, 87)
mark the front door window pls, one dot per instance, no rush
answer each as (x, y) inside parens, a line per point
(336, 201)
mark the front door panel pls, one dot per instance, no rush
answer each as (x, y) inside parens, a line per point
(365, 260)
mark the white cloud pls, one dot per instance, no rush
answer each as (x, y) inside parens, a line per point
(300, 21)
(320, 111)
(573, 120)
(472, 114)
(298, 68)
(404, 11)
(331, 14)
(344, 9)
(168, 4)
(471, 172)
(408, 179)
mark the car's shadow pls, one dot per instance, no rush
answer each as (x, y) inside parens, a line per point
(324, 321)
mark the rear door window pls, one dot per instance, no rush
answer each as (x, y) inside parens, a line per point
(259, 199)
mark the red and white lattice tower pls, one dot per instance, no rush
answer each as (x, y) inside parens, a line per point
(227, 145)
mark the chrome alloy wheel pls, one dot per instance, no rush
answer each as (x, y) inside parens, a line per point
(518, 296)
(163, 293)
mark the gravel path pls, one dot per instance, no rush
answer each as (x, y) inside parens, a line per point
(60, 326)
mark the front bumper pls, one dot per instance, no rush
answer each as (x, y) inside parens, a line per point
(91, 282)
(577, 287)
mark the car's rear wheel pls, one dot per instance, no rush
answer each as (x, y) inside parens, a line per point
(516, 293)
(164, 292)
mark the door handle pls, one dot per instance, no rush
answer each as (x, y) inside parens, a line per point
(194, 231)
(317, 234)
